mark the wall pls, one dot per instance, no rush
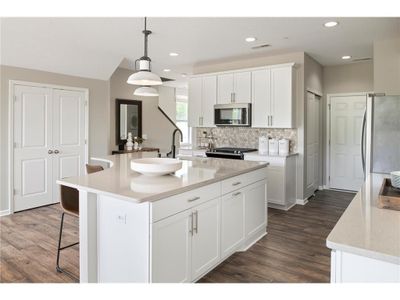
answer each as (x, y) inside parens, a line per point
(387, 66)
(155, 125)
(98, 113)
(296, 57)
(348, 78)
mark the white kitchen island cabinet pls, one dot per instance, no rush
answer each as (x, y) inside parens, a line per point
(172, 228)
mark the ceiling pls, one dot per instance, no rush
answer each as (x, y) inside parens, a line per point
(95, 47)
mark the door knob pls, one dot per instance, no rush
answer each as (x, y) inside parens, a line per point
(56, 151)
(50, 152)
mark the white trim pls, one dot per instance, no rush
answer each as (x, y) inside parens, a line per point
(315, 92)
(327, 160)
(301, 201)
(292, 64)
(10, 171)
(4, 212)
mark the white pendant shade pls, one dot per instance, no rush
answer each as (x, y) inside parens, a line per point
(146, 91)
(144, 78)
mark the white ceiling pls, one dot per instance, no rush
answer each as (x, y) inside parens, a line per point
(95, 47)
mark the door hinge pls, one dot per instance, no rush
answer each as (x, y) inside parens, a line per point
(15, 192)
(85, 142)
(329, 106)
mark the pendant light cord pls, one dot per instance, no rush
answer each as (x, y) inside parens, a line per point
(146, 33)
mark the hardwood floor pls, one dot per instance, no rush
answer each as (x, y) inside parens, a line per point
(293, 250)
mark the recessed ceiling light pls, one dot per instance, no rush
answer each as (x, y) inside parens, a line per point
(184, 74)
(173, 54)
(346, 57)
(331, 24)
(250, 39)
(167, 70)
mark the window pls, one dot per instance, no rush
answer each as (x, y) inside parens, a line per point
(182, 120)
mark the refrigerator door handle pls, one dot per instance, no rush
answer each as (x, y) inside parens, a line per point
(363, 141)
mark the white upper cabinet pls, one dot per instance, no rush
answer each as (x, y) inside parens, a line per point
(261, 106)
(225, 88)
(202, 97)
(282, 97)
(234, 87)
(273, 97)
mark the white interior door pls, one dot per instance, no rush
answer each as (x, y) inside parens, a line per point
(345, 135)
(32, 141)
(68, 136)
(313, 143)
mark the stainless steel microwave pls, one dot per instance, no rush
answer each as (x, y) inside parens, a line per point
(234, 114)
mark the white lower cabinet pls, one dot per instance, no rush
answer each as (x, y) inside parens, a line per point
(171, 248)
(205, 237)
(232, 222)
(255, 208)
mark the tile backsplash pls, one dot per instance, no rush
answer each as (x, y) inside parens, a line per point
(246, 137)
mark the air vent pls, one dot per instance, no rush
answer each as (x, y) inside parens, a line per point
(260, 46)
(163, 79)
(362, 59)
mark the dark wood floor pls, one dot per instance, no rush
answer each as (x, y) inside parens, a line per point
(293, 250)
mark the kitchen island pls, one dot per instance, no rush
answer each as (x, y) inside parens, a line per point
(172, 228)
(365, 242)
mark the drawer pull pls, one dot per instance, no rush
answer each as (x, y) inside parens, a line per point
(236, 183)
(236, 194)
(193, 199)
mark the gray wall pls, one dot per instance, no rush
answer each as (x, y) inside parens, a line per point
(155, 125)
(387, 66)
(98, 113)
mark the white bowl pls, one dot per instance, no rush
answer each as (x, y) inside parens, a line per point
(155, 166)
(395, 178)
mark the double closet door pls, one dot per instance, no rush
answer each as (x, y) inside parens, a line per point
(49, 142)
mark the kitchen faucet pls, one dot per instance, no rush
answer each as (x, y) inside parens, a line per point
(173, 147)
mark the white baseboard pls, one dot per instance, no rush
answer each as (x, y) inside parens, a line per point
(321, 188)
(301, 201)
(4, 212)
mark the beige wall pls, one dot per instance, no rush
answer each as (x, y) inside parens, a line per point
(348, 78)
(155, 125)
(296, 57)
(387, 66)
(98, 113)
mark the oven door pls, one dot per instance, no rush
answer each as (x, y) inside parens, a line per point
(232, 114)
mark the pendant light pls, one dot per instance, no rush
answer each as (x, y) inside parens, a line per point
(143, 74)
(146, 91)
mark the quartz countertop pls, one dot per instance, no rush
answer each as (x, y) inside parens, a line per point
(366, 230)
(121, 182)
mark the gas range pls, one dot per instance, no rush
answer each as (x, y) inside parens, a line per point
(229, 152)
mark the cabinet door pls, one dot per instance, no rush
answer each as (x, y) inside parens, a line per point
(225, 88)
(276, 185)
(281, 97)
(261, 95)
(242, 87)
(171, 248)
(195, 95)
(255, 200)
(206, 237)
(209, 99)
(232, 222)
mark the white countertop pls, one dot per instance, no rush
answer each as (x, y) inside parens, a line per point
(364, 229)
(121, 182)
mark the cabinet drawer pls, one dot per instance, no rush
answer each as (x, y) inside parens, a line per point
(174, 204)
(240, 181)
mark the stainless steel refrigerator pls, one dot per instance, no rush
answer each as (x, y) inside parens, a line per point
(381, 134)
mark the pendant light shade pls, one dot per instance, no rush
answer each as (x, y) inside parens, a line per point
(144, 78)
(146, 91)
(143, 74)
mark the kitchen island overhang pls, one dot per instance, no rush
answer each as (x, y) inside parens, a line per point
(172, 228)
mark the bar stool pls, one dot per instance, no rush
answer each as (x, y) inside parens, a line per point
(70, 205)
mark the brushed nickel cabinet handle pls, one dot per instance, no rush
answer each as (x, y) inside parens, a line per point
(236, 194)
(193, 199)
(191, 224)
(197, 222)
(236, 183)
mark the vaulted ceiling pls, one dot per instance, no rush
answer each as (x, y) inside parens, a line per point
(95, 47)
